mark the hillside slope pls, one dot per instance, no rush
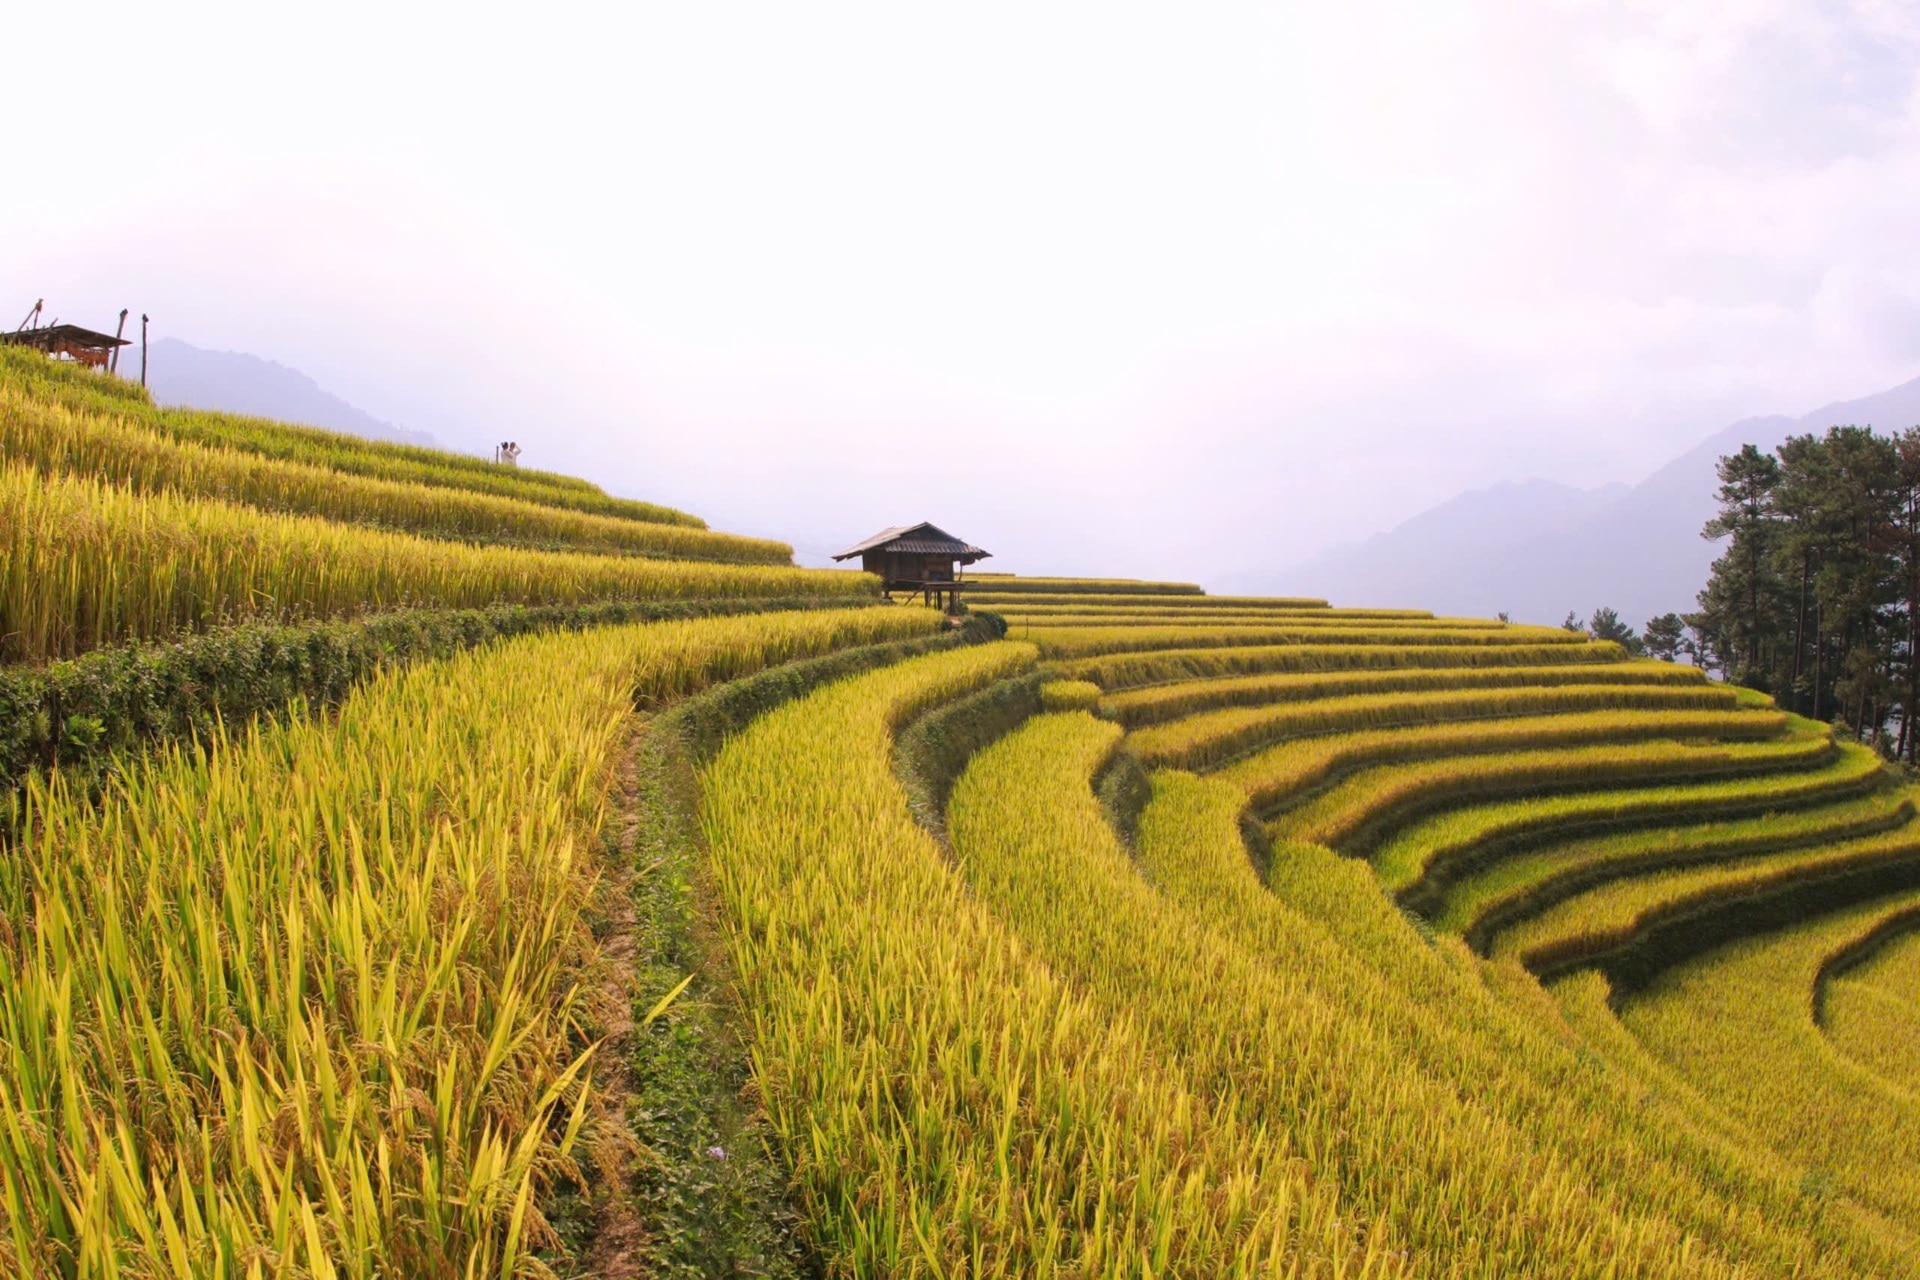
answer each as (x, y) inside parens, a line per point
(308, 749)
(260, 560)
(182, 375)
(383, 896)
(1364, 881)
(259, 519)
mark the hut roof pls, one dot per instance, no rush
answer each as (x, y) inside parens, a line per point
(62, 335)
(917, 539)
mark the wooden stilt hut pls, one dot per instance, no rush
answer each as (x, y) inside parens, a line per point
(68, 341)
(918, 559)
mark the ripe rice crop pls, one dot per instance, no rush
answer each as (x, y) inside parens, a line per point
(1418, 863)
(1237, 618)
(1194, 600)
(321, 997)
(83, 564)
(119, 450)
(353, 455)
(1459, 1188)
(67, 382)
(311, 1003)
(949, 1105)
(1199, 608)
(1481, 903)
(1021, 619)
(1285, 773)
(1587, 927)
(1008, 584)
(1325, 925)
(1086, 642)
(1737, 1024)
(1214, 737)
(1069, 695)
(1357, 815)
(1583, 1001)
(1122, 671)
(1160, 703)
(1871, 1011)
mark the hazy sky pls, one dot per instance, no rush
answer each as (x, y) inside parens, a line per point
(1173, 290)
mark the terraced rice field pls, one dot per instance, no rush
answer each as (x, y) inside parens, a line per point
(1163, 935)
(121, 522)
(1408, 894)
(322, 993)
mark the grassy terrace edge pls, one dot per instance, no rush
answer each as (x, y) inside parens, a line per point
(818, 855)
(84, 563)
(84, 391)
(1728, 905)
(281, 817)
(1538, 873)
(684, 1068)
(85, 713)
(56, 439)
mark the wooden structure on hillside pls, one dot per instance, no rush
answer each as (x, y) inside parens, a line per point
(68, 341)
(95, 350)
(919, 559)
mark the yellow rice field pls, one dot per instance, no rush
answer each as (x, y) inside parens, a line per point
(59, 440)
(84, 563)
(1169, 935)
(315, 995)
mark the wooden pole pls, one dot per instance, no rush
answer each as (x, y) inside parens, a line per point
(113, 361)
(143, 348)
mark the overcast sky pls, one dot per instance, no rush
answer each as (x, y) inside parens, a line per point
(1173, 290)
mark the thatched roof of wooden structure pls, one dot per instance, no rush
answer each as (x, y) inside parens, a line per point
(84, 345)
(917, 539)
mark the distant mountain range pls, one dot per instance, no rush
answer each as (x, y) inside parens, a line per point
(1537, 549)
(179, 373)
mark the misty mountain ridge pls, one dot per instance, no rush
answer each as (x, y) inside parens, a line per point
(1538, 549)
(1479, 518)
(182, 375)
